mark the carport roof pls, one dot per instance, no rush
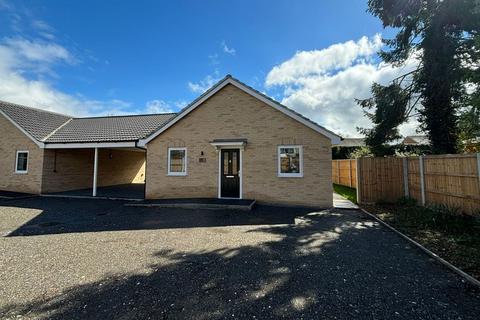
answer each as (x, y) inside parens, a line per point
(108, 129)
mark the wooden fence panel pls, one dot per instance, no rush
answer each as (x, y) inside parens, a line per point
(451, 180)
(380, 179)
(414, 188)
(344, 172)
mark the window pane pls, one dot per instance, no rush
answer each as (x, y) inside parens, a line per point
(22, 161)
(289, 160)
(234, 163)
(177, 160)
(226, 158)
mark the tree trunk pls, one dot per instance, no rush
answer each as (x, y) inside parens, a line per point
(438, 82)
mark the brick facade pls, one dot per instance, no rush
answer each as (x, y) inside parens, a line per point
(13, 140)
(232, 113)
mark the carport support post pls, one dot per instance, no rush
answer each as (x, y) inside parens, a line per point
(95, 171)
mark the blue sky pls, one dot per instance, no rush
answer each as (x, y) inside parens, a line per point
(116, 57)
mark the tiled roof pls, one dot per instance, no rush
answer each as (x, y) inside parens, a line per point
(50, 127)
(416, 140)
(38, 123)
(109, 129)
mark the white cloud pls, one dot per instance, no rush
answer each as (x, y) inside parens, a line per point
(38, 51)
(27, 67)
(19, 57)
(43, 28)
(204, 84)
(214, 60)
(227, 50)
(158, 106)
(335, 57)
(322, 84)
(42, 25)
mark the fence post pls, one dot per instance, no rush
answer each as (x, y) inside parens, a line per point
(350, 172)
(405, 177)
(357, 168)
(422, 180)
(338, 171)
(478, 169)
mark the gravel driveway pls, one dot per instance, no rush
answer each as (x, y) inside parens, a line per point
(95, 259)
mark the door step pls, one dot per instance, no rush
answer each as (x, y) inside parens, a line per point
(197, 203)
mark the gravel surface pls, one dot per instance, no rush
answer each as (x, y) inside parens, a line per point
(95, 259)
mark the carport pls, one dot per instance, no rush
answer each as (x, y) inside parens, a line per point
(109, 171)
(98, 156)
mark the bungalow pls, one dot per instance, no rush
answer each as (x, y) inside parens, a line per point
(231, 142)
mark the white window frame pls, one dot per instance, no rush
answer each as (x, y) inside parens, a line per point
(290, 175)
(16, 162)
(185, 161)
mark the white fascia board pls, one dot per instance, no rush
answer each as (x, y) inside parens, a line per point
(90, 145)
(219, 145)
(240, 143)
(335, 139)
(38, 143)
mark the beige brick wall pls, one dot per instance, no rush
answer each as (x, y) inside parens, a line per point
(74, 168)
(123, 167)
(11, 140)
(231, 113)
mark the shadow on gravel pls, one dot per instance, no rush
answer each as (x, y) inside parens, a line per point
(332, 264)
(59, 215)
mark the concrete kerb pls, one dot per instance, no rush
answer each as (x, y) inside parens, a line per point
(88, 197)
(458, 271)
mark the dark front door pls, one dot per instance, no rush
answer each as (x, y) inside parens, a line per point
(230, 169)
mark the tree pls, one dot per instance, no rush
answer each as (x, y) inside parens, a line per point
(360, 152)
(469, 128)
(443, 34)
(390, 104)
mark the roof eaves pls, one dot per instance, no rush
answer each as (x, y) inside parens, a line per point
(285, 107)
(335, 138)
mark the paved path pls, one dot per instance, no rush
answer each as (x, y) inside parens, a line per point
(96, 259)
(340, 202)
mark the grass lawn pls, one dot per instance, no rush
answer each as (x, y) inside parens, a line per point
(454, 237)
(346, 192)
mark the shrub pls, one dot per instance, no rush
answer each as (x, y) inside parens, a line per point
(407, 201)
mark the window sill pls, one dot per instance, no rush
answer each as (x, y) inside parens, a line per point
(176, 174)
(290, 176)
(21, 172)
